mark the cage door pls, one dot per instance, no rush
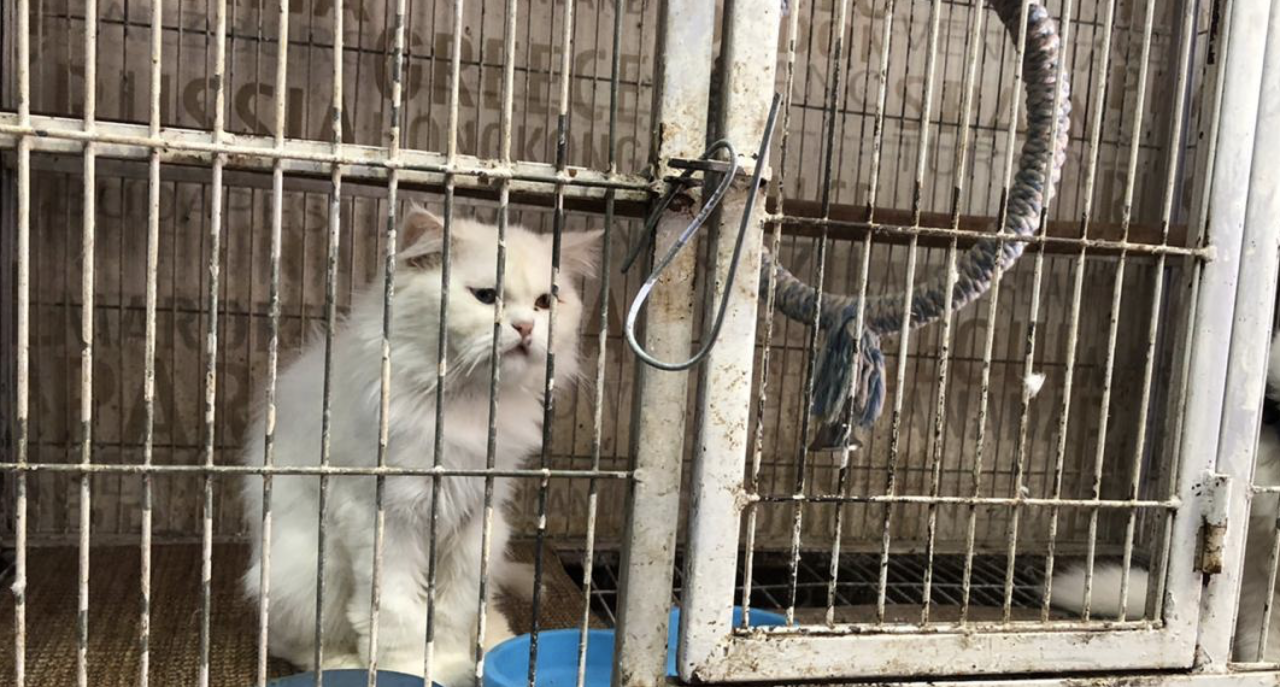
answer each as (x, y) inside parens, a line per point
(1188, 328)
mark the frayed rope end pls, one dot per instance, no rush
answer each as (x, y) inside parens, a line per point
(835, 389)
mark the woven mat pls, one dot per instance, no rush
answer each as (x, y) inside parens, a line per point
(113, 651)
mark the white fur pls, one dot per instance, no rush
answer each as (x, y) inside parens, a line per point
(1068, 585)
(1068, 590)
(1034, 382)
(356, 384)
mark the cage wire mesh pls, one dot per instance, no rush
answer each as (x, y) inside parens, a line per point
(238, 267)
(1098, 291)
(57, 59)
(974, 421)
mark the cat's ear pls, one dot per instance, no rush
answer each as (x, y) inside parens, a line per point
(422, 238)
(580, 252)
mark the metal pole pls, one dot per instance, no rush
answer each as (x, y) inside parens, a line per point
(681, 100)
(749, 63)
(1252, 87)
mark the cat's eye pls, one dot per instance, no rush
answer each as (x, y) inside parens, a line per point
(543, 302)
(486, 296)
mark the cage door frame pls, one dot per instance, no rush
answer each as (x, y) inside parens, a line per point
(1251, 329)
(712, 650)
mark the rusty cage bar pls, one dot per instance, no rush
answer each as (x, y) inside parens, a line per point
(190, 188)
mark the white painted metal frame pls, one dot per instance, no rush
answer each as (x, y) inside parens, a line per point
(748, 67)
(1247, 371)
(653, 501)
(711, 650)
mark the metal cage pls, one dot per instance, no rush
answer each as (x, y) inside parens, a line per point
(188, 194)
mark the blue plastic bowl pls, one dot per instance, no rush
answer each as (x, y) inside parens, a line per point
(507, 665)
(349, 677)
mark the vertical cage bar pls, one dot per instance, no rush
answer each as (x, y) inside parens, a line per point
(989, 343)
(1108, 367)
(829, 136)
(877, 152)
(273, 342)
(905, 331)
(895, 431)
(1247, 129)
(602, 340)
(388, 297)
(210, 401)
(749, 50)
(495, 357)
(149, 372)
(1032, 326)
(972, 58)
(211, 338)
(87, 253)
(935, 15)
(877, 129)
(23, 353)
(330, 329)
(446, 261)
(680, 102)
(438, 442)
(504, 199)
(1153, 324)
(844, 470)
(1077, 297)
(770, 309)
(549, 389)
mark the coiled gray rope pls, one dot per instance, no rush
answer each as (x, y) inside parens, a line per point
(840, 397)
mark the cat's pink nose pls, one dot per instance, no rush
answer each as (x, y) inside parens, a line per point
(525, 328)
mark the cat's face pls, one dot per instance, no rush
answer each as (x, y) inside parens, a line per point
(524, 334)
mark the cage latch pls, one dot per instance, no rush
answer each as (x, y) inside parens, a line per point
(707, 163)
(1214, 491)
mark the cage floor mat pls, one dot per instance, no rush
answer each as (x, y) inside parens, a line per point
(113, 650)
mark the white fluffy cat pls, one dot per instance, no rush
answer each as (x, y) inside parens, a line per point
(407, 501)
(1068, 585)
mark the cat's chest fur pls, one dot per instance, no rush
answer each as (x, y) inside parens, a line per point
(516, 427)
(517, 432)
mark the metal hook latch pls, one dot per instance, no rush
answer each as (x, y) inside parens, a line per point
(729, 170)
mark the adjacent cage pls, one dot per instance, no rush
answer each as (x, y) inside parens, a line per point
(194, 190)
(1068, 418)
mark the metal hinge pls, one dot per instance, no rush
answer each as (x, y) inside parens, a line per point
(1214, 492)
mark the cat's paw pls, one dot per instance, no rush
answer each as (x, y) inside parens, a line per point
(517, 580)
(453, 671)
(402, 664)
(497, 630)
(340, 661)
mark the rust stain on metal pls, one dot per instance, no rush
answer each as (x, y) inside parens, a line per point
(1128, 681)
(1212, 540)
(1215, 489)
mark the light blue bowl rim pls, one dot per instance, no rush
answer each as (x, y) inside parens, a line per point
(512, 655)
